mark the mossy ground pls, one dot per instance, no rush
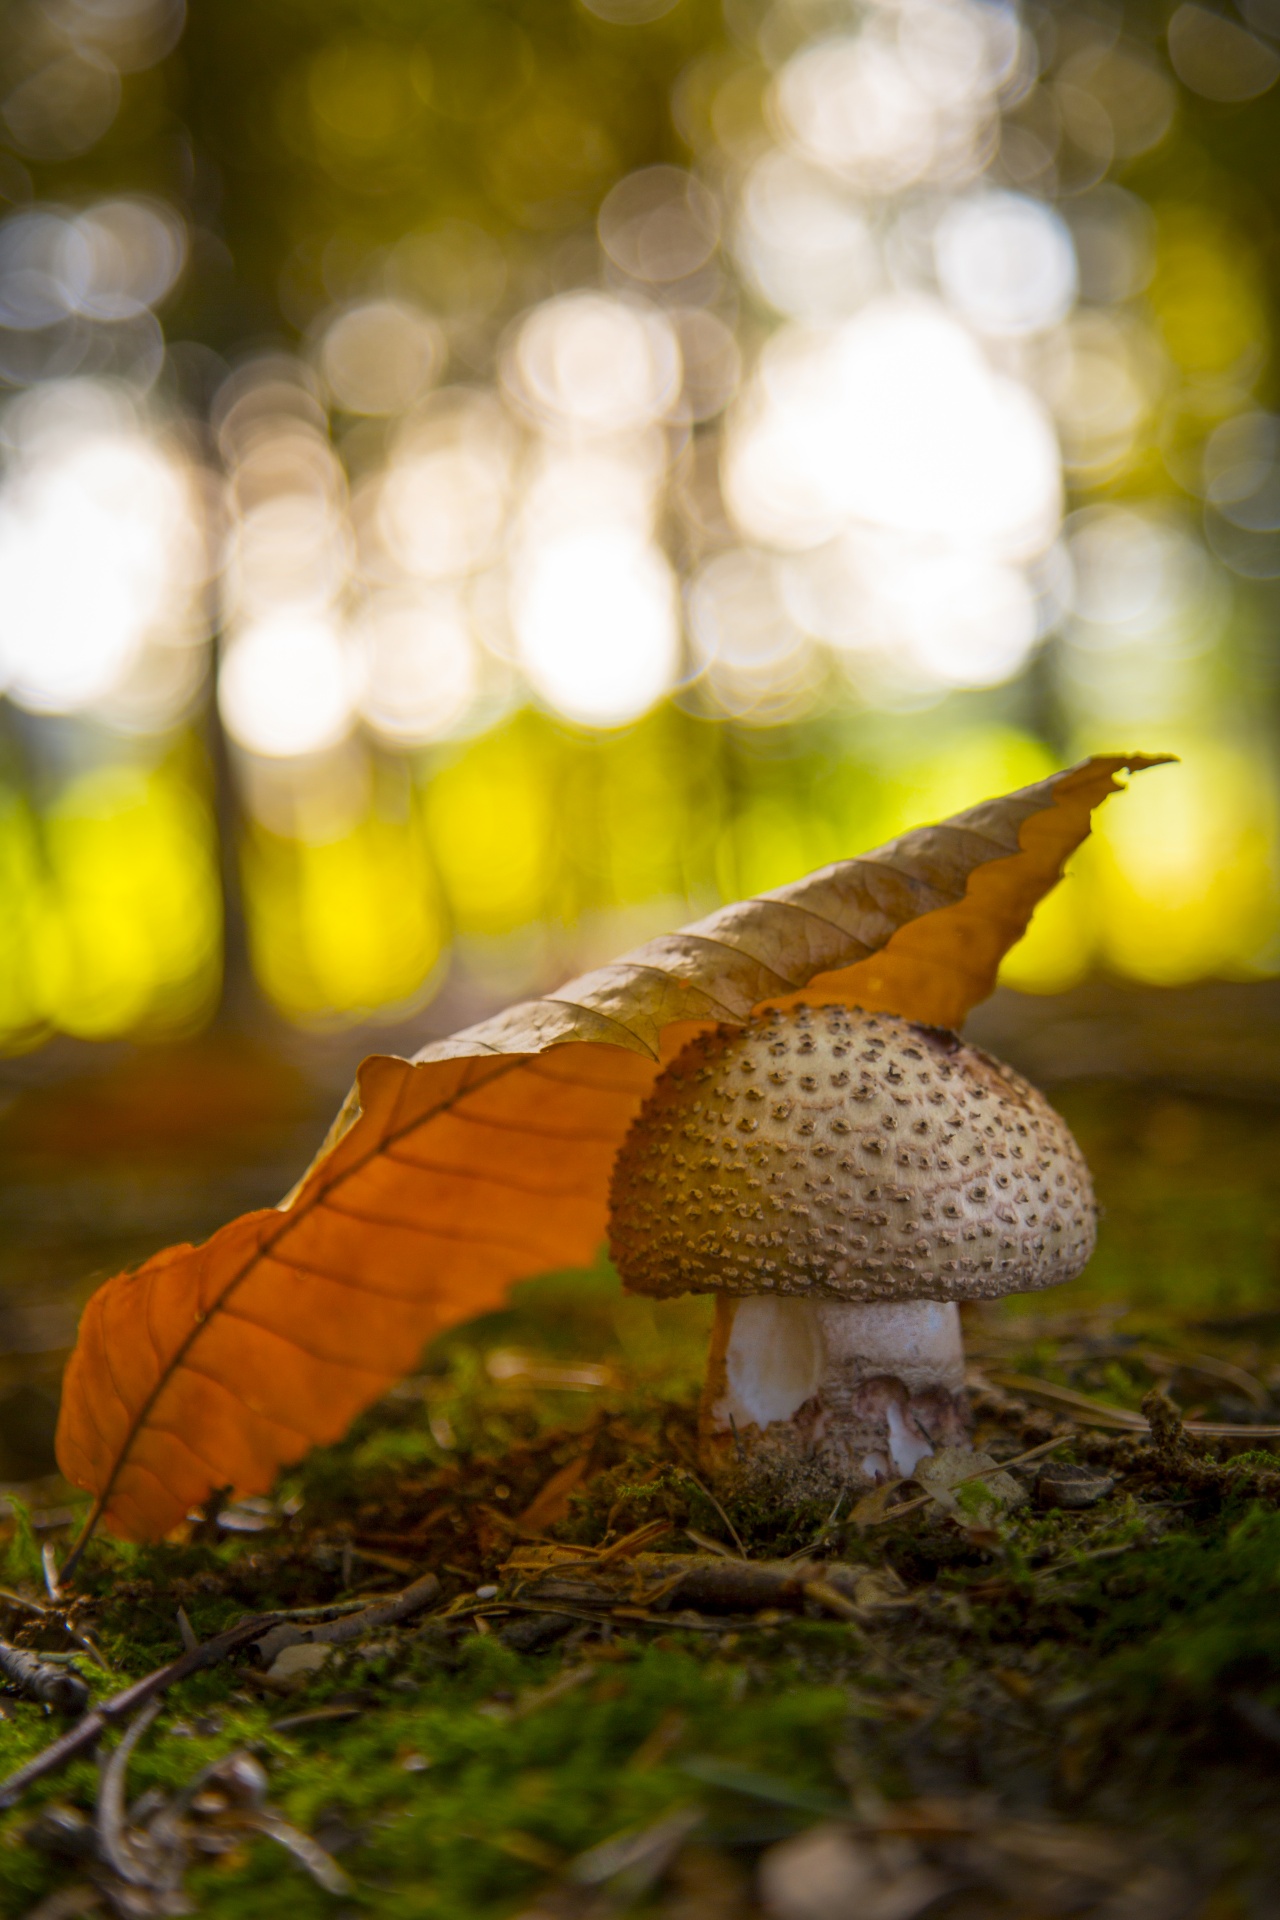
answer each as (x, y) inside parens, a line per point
(1117, 1668)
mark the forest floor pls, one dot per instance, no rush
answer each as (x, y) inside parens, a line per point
(989, 1707)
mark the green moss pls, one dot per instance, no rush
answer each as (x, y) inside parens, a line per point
(22, 1553)
(1192, 1616)
(508, 1781)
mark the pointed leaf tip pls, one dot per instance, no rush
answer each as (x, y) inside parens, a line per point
(447, 1178)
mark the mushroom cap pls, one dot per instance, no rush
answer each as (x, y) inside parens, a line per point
(851, 1156)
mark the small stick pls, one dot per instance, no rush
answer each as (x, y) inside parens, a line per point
(1021, 1459)
(826, 1529)
(630, 1616)
(709, 1545)
(49, 1561)
(90, 1728)
(707, 1494)
(1097, 1413)
(353, 1625)
(322, 1867)
(826, 1596)
(91, 1647)
(51, 1686)
(111, 1802)
(631, 1543)
(382, 1613)
(327, 1610)
(84, 1536)
(21, 1600)
(1094, 1553)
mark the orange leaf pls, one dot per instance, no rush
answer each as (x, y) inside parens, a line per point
(487, 1158)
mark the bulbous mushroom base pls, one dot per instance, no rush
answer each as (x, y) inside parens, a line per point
(808, 1398)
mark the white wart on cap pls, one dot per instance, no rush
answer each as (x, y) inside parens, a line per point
(860, 1172)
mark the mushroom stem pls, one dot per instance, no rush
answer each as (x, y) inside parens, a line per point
(816, 1395)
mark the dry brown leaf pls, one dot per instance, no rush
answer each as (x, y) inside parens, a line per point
(486, 1159)
(551, 1502)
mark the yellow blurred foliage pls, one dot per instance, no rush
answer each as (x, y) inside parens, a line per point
(344, 929)
(361, 100)
(1182, 879)
(117, 922)
(491, 812)
(767, 843)
(1207, 297)
(957, 771)
(533, 830)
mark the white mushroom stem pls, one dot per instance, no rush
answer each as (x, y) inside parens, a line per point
(831, 1394)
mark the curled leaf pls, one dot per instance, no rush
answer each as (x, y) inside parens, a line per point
(486, 1158)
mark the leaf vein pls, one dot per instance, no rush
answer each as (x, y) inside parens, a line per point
(255, 1413)
(300, 1346)
(295, 1265)
(493, 1179)
(438, 1233)
(510, 1126)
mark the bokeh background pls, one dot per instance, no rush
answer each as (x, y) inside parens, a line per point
(480, 484)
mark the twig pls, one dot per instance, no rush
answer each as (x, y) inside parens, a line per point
(38, 1680)
(21, 1600)
(49, 1561)
(83, 1538)
(709, 1545)
(708, 1495)
(322, 1867)
(1096, 1413)
(327, 1610)
(498, 1609)
(89, 1730)
(114, 1846)
(353, 1626)
(90, 1646)
(1093, 1553)
(1210, 1367)
(838, 1603)
(393, 1562)
(824, 1531)
(313, 1717)
(187, 1631)
(629, 1617)
(631, 1543)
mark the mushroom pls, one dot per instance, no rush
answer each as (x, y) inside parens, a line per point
(841, 1180)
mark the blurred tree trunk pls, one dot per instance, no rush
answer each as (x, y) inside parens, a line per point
(240, 1003)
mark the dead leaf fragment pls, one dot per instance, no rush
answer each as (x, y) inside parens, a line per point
(486, 1159)
(969, 1484)
(294, 1666)
(830, 1874)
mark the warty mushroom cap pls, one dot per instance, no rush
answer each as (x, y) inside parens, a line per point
(848, 1156)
